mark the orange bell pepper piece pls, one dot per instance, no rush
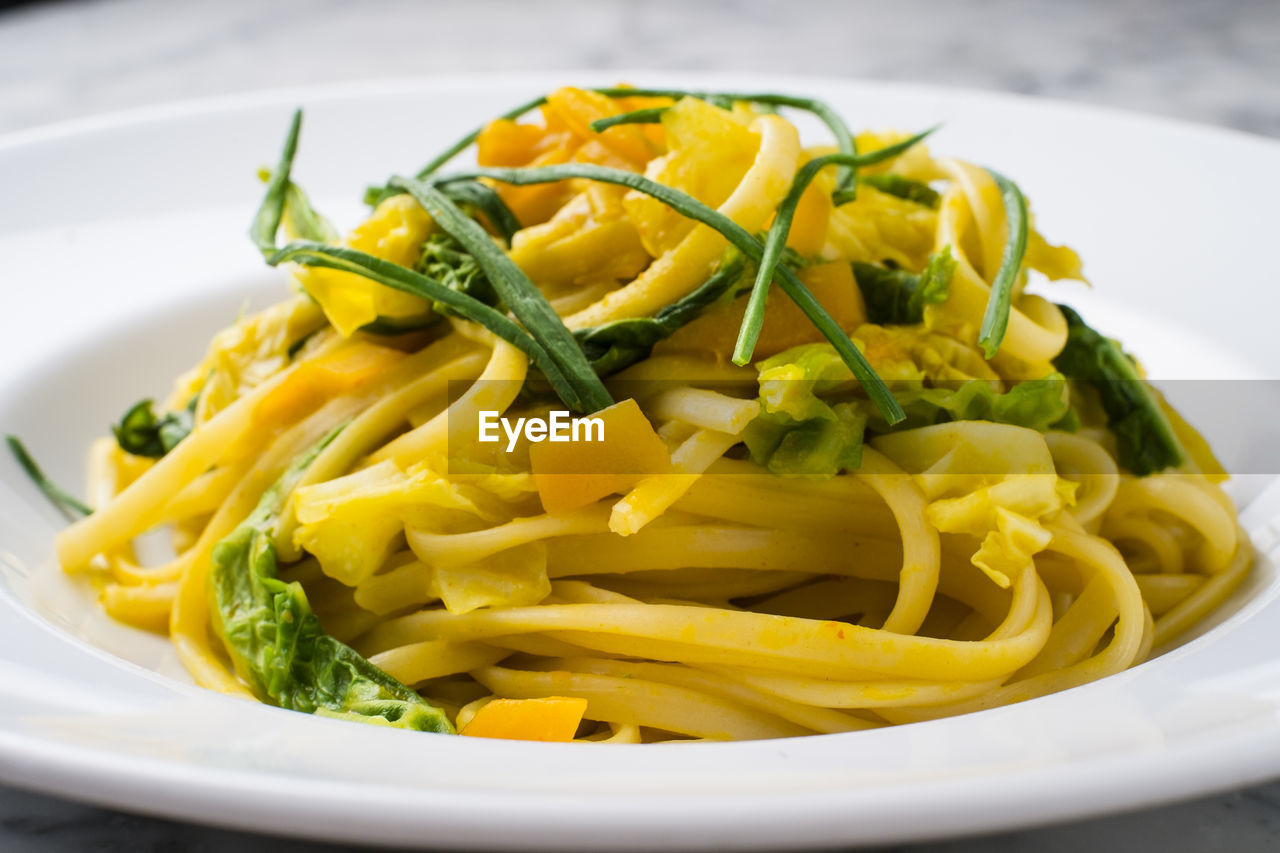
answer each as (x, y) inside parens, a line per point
(579, 107)
(573, 474)
(785, 325)
(317, 381)
(808, 231)
(555, 718)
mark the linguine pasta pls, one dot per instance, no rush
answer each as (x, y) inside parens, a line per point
(931, 494)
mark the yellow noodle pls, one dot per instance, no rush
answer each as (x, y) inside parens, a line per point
(962, 565)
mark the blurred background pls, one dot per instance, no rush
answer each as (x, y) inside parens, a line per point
(1214, 61)
(1208, 60)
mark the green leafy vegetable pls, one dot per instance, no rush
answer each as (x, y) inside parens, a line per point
(444, 260)
(518, 293)
(65, 502)
(648, 115)
(276, 641)
(996, 318)
(141, 433)
(622, 343)
(897, 297)
(409, 281)
(737, 236)
(1037, 404)
(819, 446)
(753, 317)
(799, 431)
(1145, 440)
(904, 188)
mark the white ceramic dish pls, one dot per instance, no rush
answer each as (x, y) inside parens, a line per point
(122, 246)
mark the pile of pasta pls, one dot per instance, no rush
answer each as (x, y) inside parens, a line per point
(701, 593)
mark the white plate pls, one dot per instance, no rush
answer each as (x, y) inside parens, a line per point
(122, 247)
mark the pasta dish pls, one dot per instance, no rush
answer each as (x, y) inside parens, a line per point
(656, 424)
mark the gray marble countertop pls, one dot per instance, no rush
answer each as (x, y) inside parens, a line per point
(1216, 62)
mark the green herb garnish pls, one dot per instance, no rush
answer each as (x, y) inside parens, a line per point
(753, 318)
(444, 259)
(737, 236)
(648, 115)
(484, 199)
(996, 318)
(266, 222)
(277, 643)
(406, 280)
(1145, 440)
(65, 502)
(517, 292)
(903, 188)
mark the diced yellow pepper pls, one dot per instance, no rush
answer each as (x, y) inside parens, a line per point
(572, 474)
(555, 718)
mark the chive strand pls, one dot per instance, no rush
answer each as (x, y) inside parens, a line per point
(67, 503)
(995, 320)
(737, 235)
(266, 222)
(409, 281)
(486, 200)
(519, 294)
(648, 115)
(776, 239)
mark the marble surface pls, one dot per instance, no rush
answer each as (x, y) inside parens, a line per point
(1216, 62)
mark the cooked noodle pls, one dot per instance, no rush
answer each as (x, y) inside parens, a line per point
(958, 565)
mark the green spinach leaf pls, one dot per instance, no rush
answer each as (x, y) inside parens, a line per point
(897, 297)
(142, 433)
(1145, 440)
